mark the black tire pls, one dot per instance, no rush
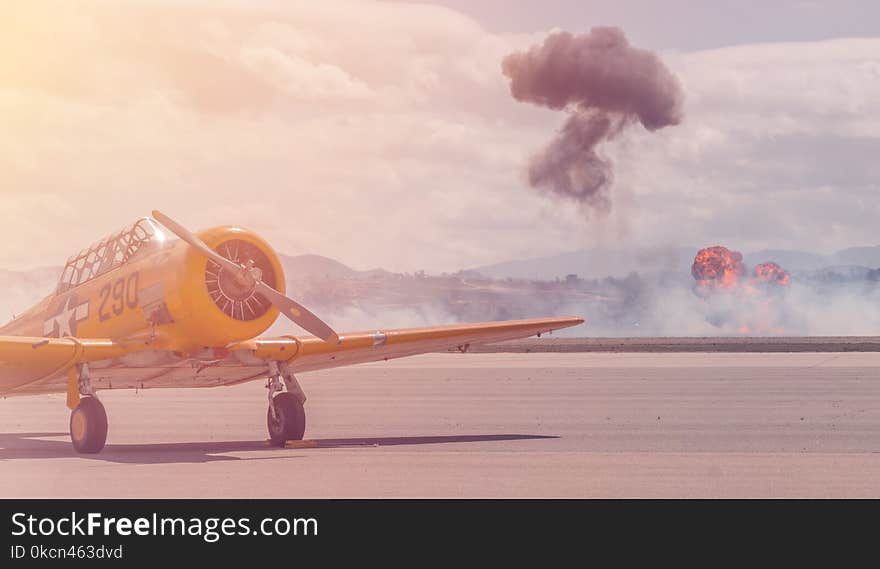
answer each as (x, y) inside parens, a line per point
(88, 426)
(289, 423)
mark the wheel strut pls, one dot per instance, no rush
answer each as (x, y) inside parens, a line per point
(286, 417)
(88, 420)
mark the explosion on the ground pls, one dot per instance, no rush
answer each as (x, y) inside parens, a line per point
(732, 298)
(771, 273)
(717, 267)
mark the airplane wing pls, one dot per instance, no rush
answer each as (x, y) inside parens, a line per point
(41, 365)
(310, 353)
(26, 362)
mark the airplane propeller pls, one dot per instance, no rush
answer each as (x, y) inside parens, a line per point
(247, 274)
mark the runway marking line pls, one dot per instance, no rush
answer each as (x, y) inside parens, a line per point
(301, 444)
(295, 444)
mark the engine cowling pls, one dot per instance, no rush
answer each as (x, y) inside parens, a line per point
(212, 307)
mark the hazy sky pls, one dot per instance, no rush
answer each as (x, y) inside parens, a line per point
(684, 24)
(384, 134)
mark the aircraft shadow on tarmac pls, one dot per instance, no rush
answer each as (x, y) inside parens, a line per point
(35, 446)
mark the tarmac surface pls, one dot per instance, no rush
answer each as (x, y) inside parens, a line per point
(483, 425)
(731, 344)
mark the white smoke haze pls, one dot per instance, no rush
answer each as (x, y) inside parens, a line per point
(657, 307)
(828, 302)
(852, 310)
(19, 290)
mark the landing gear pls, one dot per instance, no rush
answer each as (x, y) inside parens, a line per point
(88, 426)
(286, 417)
(88, 421)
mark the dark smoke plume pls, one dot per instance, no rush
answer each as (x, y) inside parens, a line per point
(605, 84)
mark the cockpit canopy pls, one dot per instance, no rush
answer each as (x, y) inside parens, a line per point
(109, 253)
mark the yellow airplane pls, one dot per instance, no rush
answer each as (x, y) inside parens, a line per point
(146, 308)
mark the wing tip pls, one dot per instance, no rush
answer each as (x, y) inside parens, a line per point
(569, 321)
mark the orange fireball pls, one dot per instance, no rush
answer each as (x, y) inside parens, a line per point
(771, 273)
(750, 303)
(717, 267)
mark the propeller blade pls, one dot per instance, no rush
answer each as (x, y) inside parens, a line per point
(293, 310)
(194, 241)
(298, 313)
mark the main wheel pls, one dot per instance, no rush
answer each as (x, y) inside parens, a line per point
(88, 426)
(289, 420)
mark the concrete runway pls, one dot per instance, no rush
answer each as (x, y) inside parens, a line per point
(484, 425)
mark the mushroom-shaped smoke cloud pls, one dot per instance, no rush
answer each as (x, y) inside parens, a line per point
(606, 84)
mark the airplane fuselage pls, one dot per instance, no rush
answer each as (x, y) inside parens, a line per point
(163, 296)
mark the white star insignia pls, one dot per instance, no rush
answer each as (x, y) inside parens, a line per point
(66, 319)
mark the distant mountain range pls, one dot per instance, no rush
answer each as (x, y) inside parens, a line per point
(19, 290)
(590, 263)
(298, 267)
(659, 300)
(804, 261)
(599, 263)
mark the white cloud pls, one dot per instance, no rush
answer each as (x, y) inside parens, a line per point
(301, 79)
(775, 150)
(382, 134)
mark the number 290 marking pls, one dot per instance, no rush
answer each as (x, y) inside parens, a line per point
(118, 295)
